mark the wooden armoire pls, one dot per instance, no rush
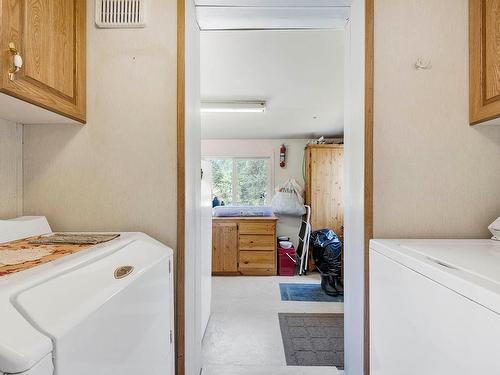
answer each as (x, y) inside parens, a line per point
(324, 172)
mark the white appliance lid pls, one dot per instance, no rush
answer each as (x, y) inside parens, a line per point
(22, 345)
(23, 227)
(469, 267)
(77, 294)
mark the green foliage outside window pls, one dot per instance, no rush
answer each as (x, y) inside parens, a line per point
(241, 181)
(252, 179)
(222, 176)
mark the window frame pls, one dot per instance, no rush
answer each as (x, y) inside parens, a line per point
(234, 186)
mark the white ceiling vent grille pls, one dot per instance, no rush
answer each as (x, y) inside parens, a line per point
(120, 13)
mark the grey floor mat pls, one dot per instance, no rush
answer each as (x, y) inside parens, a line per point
(313, 339)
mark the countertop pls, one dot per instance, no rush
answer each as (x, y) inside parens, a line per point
(271, 218)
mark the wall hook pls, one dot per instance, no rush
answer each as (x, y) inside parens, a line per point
(422, 64)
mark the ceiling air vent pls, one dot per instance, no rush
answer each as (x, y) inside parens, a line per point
(120, 13)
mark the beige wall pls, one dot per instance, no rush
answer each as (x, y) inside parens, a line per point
(11, 147)
(434, 175)
(117, 173)
(287, 225)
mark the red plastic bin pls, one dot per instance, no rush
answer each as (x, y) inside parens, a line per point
(286, 261)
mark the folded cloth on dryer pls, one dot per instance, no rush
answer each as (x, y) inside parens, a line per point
(36, 254)
(12, 257)
(73, 238)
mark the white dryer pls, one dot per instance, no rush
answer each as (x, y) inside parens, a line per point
(76, 316)
(434, 307)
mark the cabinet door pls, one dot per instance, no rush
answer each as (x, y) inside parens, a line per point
(224, 248)
(326, 170)
(49, 35)
(484, 50)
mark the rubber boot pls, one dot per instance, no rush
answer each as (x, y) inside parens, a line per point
(337, 283)
(328, 287)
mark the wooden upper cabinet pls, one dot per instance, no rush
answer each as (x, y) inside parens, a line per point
(484, 50)
(49, 35)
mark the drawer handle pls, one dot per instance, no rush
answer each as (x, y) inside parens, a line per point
(17, 61)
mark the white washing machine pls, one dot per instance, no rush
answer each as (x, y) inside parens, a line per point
(434, 307)
(73, 316)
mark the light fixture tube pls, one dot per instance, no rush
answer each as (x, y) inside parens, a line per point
(236, 106)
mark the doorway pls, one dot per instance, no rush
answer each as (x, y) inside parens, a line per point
(353, 158)
(297, 79)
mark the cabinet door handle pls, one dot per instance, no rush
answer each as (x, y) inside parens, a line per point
(17, 61)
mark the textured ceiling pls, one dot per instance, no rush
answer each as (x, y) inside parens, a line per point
(299, 73)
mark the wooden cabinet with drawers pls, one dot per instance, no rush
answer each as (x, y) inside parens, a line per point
(244, 246)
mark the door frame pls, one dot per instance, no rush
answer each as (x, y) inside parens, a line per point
(181, 175)
(179, 269)
(368, 173)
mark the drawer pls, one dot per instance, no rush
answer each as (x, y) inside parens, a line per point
(268, 271)
(257, 242)
(257, 227)
(257, 259)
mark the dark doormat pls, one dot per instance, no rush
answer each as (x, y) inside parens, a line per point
(306, 292)
(313, 339)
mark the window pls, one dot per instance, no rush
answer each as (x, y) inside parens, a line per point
(241, 181)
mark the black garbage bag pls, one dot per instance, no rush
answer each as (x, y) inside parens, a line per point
(327, 254)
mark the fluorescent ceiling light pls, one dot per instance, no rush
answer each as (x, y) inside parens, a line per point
(242, 106)
(271, 18)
